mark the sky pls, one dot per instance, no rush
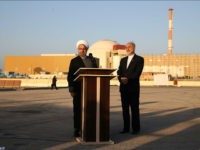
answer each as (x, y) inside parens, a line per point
(54, 27)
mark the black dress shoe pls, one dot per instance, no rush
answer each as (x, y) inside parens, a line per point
(124, 131)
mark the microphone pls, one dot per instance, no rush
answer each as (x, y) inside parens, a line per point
(92, 59)
(91, 56)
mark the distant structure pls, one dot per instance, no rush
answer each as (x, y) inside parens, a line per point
(102, 49)
(170, 31)
(43, 64)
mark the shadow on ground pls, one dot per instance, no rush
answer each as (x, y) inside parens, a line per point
(48, 124)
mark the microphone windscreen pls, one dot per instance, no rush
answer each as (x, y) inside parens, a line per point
(90, 55)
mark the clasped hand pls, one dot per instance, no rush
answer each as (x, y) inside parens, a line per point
(124, 80)
(72, 94)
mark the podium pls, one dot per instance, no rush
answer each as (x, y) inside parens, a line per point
(95, 124)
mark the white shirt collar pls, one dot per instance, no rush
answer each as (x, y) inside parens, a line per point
(131, 56)
(129, 60)
(83, 57)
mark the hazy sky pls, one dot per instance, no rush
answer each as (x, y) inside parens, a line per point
(38, 27)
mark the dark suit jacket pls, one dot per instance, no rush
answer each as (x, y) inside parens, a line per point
(133, 73)
(75, 64)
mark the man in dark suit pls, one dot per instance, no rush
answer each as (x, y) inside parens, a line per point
(80, 61)
(129, 72)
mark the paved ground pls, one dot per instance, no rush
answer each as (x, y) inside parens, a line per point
(42, 119)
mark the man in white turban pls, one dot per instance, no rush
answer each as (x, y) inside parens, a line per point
(81, 61)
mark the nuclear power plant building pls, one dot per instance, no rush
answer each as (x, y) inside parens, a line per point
(109, 53)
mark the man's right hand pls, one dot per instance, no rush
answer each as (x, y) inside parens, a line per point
(72, 94)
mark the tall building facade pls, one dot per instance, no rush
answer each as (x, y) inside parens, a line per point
(38, 64)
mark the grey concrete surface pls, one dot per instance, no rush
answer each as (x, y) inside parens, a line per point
(42, 120)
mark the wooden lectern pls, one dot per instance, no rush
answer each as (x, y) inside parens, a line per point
(95, 126)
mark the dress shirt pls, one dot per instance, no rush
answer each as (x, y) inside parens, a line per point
(129, 60)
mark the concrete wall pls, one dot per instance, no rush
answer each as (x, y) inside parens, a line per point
(63, 83)
(170, 83)
(42, 83)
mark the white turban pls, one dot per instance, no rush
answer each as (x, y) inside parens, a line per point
(82, 42)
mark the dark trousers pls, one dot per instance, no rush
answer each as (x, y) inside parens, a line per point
(53, 85)
(77, 111)
(130, 100)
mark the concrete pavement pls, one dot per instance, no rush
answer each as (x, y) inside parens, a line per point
(42, 120)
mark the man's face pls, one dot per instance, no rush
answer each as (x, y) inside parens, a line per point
(82, 50)
(130, 49)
